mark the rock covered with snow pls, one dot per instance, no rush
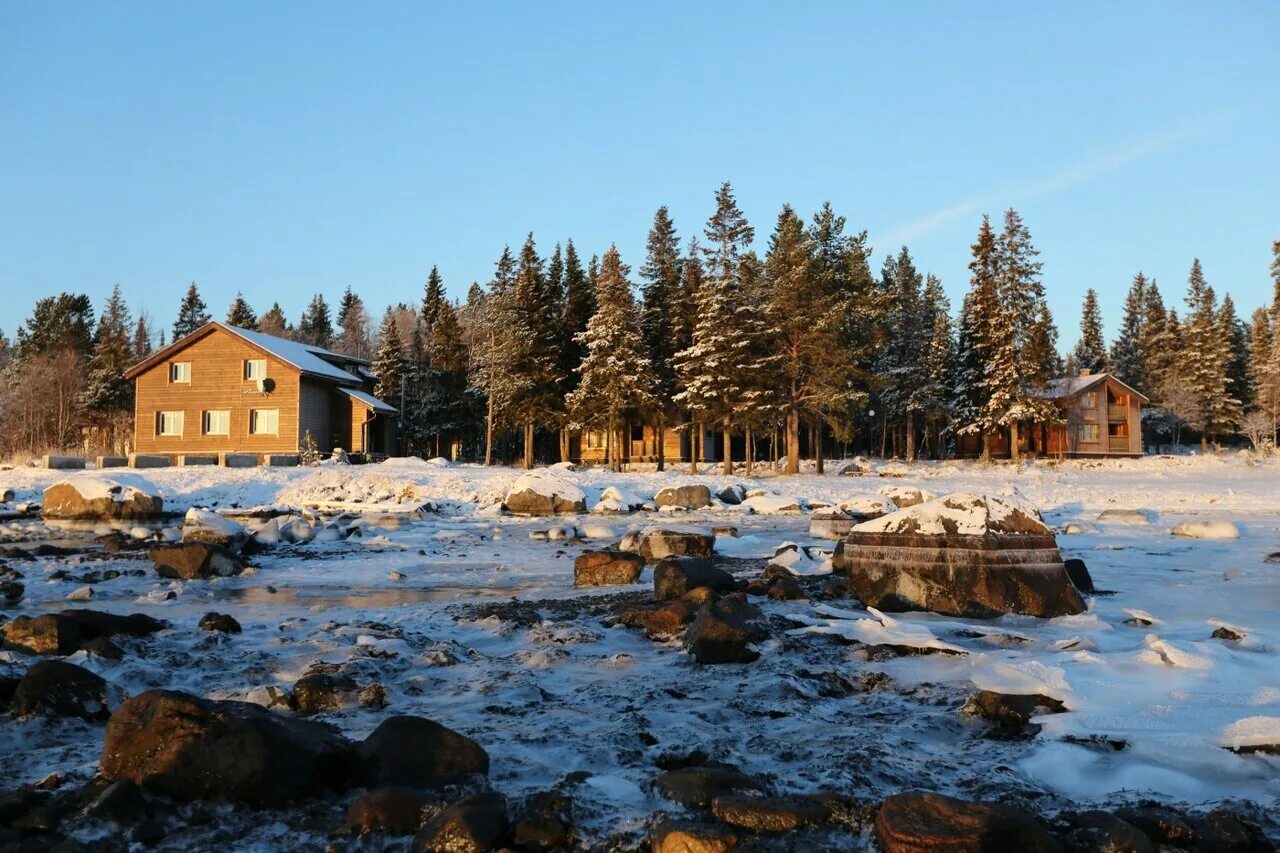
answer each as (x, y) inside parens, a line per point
(835, 522)
(964, 554)
(906, 496)
(101, 498)
(765, 503)
(800, 562)
(615, 500)
(203, 525)
(695, 496)
(653, 542)
(1214, 529)
(543, 493)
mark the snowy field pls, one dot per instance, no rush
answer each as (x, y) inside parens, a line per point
(465, 618)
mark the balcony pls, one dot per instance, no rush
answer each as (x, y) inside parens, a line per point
(1117, 413)
(1118, 443)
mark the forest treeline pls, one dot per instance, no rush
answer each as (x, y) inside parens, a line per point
(705, 331)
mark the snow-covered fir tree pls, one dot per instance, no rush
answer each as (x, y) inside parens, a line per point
(433, 300)
(933, 398)
(616, 374)
(661, 301)
(192, 313)
(1090, 352)
(389, 362)
(108, 396)
(900, 366)
(1234, 339)
(1204, 359)
(1126, 357)
(241, 315)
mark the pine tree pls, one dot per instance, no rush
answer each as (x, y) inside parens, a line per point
(57, 324)
(273, 322)
(498, 345)
(900, 364)
(353, 327)
(1126, 351)
(241, 315)
(433, 300)
(933, 397)
(1203, 362)
(1264, 365)
(1090, 352)
(389, 363)
(1233, 338)
(449, 405)
(192, 313)
(1157, 345)
(316, 326)
(142, 338)
(985, 335)
(579, 301)
(616, 375)
(108, 396)
(661, 294)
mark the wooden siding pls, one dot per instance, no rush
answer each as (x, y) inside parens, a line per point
(217, 383)
(315, 413)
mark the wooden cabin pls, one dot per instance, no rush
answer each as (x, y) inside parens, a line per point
(226, 389)
(1100, 417)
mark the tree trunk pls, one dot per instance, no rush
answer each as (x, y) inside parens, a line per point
(610, 448)
(793, 440)
(528, 444)
(817, 445)
(662, 441)
(1204, 444)
(884, 435)
(986, 445)
(488, 435)
(911, 436)
(564, 444)
(1014, 454)
(749, 453)
(726, 461)
(695, 434)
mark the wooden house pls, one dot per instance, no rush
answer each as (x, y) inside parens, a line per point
(1100, 417)
(226, 389)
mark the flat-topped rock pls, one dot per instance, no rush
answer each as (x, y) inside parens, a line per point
(607, 568)
(964, 554)
(100, 499)
(542, 493)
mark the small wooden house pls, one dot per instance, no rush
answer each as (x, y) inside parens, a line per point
(226, 389)
(1100, 417)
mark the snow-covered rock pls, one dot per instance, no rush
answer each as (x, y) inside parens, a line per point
(615, 500)
(801, 562)
(690, 496)
(1216, 529)
(543, 493)
(1124, 516)
(770, 504)
(905, 496)
(202, 525)
(94, 498)
(1252, 734)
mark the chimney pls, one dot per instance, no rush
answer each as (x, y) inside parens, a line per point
(1084, 371)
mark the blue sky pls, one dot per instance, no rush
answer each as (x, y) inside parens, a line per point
(287, 149)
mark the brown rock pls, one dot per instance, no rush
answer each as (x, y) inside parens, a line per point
(104, 501)
(607, 568)
(696, 787)
(686, 836)
(665, 622)
(785, 589)
(1160, 824)
(1099, 830)
(396, 811)
(472, 825)
(1011, 712)
(545, 823)
(419, 753)
(61, 689)
(770, 814)
(723, 629)
(688, 497)
(918, 822)
(190, 748)
(675, 576)
(196, 560)
(68, 631)
(315, 692)
(654, 543)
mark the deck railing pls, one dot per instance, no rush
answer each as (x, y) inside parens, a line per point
(1117, 413)
(1118, 443)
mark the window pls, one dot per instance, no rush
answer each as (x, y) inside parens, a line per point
(217, 422)
(169, 423)
(255, 368)
(180, 371)
(264, 421)
(637, 432)
(1087, 433)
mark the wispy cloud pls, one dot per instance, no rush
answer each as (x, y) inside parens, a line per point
(1077, 173)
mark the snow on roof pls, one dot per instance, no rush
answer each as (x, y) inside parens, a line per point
(1067, 386)
(369, 400)
(307, 358)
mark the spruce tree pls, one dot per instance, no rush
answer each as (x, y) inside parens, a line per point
(389, 363)
(1126, 351)
(108, 396)
(448, 403)
(933, 398)
(192, 313)
(1204, 357)
(273, 322)
(616, 375)
(353, 327)
(1264, 365)
(987, 374)
(1090, 352)
(661, 295)
(579, 301)
(433, 300)
(142, 346)
(241, 315)
(1156, 347)
(57, 324)
(316, 326)
(900, 365)
(1233, 338)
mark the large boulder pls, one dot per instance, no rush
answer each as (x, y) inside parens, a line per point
(419, 753)
(100, 499)
(685, 497)
(607, 568)
(202, 525)
(541, 493)
(474, 824)
(688, 836)
(196, 560)
(695, 787)
(675, 576)
(60, 689)
(190, 748)
(770, 814)
(655, 542)
(977, 556)
(69, 631)
(918, 822)
(396, 811)
(724, 630)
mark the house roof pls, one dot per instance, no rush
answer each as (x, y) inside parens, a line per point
(309, 360)
(369, 400)
(1069, 386)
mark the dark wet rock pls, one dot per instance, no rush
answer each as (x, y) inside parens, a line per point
(667, 621)
(920, 822)
(316, 692)
(1102, 832)
(196, 560)
(1079, 574)
(607, 568)
(723, 630)
(60, 689)
(191, 748)
(419, 753)
(675, 576)
(687, 836)
(12, 591)
(1220, 830)
(695, 787)
(785, 589)
(221, 622)
(1162, 825)
(1006, 561)
(758, 586)
(373, 696)
(726, 530)
(102, 647)
(654, 543)
(700, 595)
(1222, 632)
(687, 497)
(121, 802)
(101, 501)
(770, 814)
(69, 630)
(394, 810)
(473, 824)
(1011, 712)
(731, 495)
(545, 823)
(1273, 558)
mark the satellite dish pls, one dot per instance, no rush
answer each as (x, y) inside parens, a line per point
(266, 385)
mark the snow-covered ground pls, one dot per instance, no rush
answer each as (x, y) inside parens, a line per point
(484, 632)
